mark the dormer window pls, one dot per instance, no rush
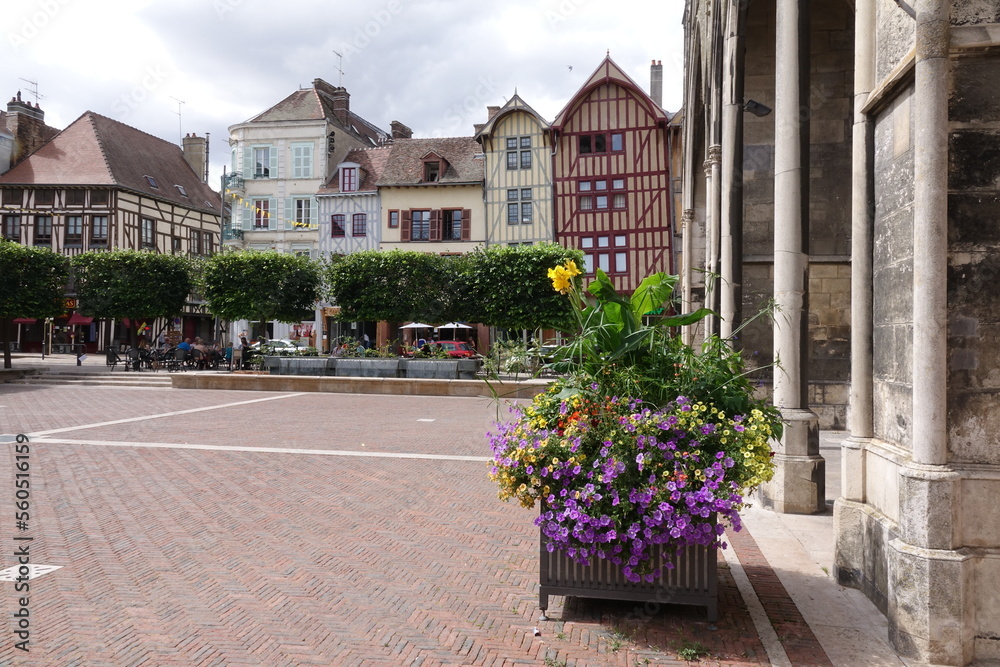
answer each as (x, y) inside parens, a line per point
(348, 179)
(152, 182)
(180, 189)
(432, 171)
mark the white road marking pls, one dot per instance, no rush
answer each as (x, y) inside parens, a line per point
(37, 434)
(34, 571)
(261, 450)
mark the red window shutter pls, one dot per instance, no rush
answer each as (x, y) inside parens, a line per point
(435, 225)
(404, 225)
(466, 224)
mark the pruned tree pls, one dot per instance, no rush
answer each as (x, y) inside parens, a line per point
(267, 286)
(132, 284)
(32, 284)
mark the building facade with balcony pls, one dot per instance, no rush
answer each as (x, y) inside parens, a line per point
(101, 185)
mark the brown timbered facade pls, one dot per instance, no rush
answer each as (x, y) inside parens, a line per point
(102, 185)
(611, 178)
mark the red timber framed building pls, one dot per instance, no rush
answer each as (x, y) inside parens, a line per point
(611, 178)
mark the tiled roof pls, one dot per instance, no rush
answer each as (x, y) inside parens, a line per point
(316, 103)
(515, 103)
(371, 161)
(405, 165)
(96, 150)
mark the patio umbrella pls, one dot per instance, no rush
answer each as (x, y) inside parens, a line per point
(416, 325)
(454, 325)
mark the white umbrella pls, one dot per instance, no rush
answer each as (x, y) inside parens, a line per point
(454, 325)
(416, 325)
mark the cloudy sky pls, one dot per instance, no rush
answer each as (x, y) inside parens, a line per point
(433, 64)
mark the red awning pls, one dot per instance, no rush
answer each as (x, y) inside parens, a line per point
(23, 320)
(77, 318)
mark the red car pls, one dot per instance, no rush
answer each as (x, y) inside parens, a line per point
(456, 348)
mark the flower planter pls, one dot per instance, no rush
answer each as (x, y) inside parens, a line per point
(692, 581)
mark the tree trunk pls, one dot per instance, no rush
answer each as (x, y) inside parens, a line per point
(5, 340)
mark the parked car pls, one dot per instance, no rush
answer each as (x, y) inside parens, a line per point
(456, 348)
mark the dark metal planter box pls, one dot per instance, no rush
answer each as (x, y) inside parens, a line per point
(692, 581)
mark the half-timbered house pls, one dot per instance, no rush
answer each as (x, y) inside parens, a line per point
(611, 178)
(349, 207)
(100, 184)
(517, 152)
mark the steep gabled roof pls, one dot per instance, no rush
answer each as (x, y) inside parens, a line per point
(608, 72)
(371, 161)
(515, 103)
(96, 150)
(406, 166)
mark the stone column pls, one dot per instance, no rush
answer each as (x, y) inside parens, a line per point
(687, 271)
(799, 484)
(713, 212)
(930, 236)
(731, 222)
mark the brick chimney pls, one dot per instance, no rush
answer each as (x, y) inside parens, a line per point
(656, 82)
(196, 153)
(400, 131)
(492, 111)
(27, 124)
(342, 106)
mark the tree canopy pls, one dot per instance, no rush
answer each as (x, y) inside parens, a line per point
(32, 284)
(267, 286)
(131, 283)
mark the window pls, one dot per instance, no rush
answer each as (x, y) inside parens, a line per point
(525, 159)
(302, 161)
(148, 233)
(519, 152)
(76, 197)
(451, 227)
(393, 219)
(12, 228)
(98, 197)
(512, 213)
(43, 229)
(420, 226)
(45, 197)
(519, 208)
(617, 142)
(180, 189)
(592, 143)
(512, 160)
(302, 212)
(594, 195)
(349, 179)
(152, 182)
(262, 162)
(603, 257)
(359, 224)
(99, 230)
(13, 197)
(261, 213)
(432, 171)
(337, 225)
(618, 202)
(195, 242)
(207, 243)
(74, 230)
(175, 244)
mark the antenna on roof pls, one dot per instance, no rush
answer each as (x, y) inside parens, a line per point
(340, 65)
(180, 129)
(33, 90)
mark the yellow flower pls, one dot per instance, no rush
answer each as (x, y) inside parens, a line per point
(560, 279)
(571, 268)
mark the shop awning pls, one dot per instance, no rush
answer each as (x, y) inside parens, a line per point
(77, 318)
(23, 320)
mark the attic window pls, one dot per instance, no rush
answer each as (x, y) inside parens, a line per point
(151, 181)
(432, 171)
(209, 204)
(180, 189)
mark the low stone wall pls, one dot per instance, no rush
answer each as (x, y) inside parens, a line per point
(436, 369)
(358, 385)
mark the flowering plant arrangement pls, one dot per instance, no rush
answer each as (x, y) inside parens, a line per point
(643, 442)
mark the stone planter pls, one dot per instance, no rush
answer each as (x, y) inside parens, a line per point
(366, 368)
(692, 581)
(435, 369)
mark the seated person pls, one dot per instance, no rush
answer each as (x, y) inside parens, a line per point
(185, 345)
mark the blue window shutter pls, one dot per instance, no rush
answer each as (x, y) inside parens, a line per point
(289, 212)
(275, 214)
(246, 216)
(274, 162)
(313, 212)
(247, 162)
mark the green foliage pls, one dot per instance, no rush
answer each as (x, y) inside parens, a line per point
(131, 283)
(266, 286)
(395, 286)
(509, 287)
(32, 281)
(691, 650)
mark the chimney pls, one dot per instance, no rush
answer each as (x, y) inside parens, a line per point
(491, 111)
(27, 124)
(196, 153)
(342, 106)
(400, 131)
(656, 82)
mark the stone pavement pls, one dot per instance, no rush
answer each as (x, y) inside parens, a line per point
(235, 528)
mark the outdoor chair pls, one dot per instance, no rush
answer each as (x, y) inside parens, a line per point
(112, 358)
(134, 359)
